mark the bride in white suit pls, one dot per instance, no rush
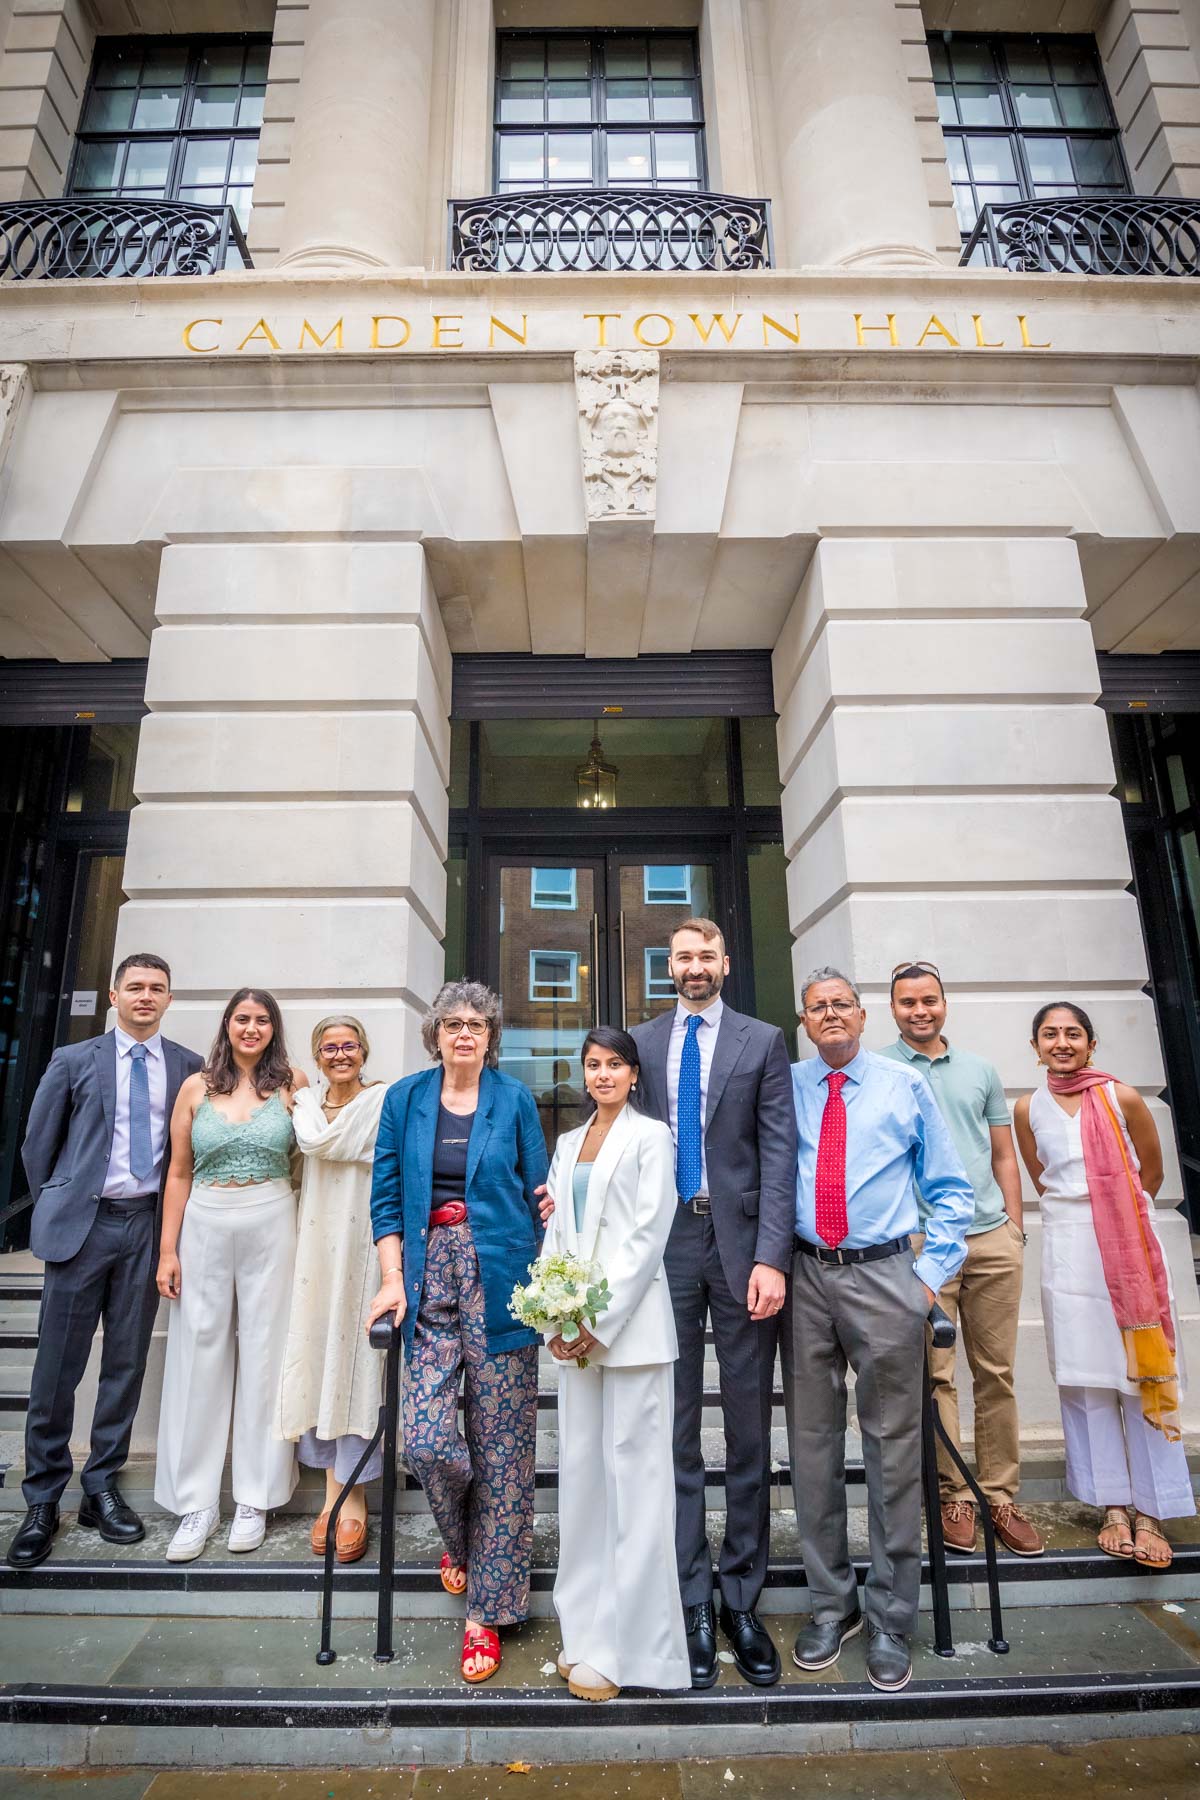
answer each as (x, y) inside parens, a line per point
(612, 1181)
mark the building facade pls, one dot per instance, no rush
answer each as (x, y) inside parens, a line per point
(483, 481)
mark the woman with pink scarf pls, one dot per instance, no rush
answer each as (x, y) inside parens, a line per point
(1093, 1154)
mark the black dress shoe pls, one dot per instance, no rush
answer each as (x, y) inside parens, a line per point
(820, 1643)
(754, 1653)
(31, 1545)
(889, 1659)
(701, 1643)
(108, 1514)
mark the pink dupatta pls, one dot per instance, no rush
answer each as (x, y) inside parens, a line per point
(1134, 1271)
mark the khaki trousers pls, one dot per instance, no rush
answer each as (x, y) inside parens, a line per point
(984, 1299)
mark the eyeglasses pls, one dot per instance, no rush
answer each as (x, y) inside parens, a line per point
(925, 968)
(843, 1008)
(454, 1027)
(331, 1051)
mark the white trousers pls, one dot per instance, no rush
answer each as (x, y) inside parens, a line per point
(225, 1344)
(617, 1592)
(1114, 1458)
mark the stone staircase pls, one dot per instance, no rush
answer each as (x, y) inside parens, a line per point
(117, 1656)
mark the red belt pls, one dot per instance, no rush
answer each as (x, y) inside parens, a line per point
(453, 1213)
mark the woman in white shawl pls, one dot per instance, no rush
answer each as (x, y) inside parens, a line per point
(330, 1394)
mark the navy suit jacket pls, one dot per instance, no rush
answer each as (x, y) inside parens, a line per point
(69, 1138)
(506, 1161)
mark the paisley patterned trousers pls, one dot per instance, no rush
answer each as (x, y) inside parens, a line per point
(479, 1485)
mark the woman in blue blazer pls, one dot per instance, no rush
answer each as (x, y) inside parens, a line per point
(459, 1156)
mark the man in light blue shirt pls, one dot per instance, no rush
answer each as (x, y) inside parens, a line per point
(869, 1131)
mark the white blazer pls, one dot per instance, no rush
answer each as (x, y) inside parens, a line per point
(630, 1210)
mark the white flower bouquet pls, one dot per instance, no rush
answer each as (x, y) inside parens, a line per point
(562, 1293)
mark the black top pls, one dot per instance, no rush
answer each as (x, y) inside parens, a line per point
(450, 1156)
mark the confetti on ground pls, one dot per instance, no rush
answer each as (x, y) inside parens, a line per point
(725, 1656)
(1170, 1606)
(728, 1775)
(548, 1669)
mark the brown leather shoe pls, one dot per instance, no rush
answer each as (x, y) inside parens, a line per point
(351, 1540)
(319, 1533)
(958, 1525)
(1015, 1531)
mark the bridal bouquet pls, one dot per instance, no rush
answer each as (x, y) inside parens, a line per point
(562, 1293)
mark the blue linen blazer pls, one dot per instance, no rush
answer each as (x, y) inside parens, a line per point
(506, 1161)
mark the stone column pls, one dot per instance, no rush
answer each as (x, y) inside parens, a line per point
(360, 144)
(291, 778)
(947, 795)
(849, 153)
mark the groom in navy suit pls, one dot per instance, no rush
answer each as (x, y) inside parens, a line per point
(96, 1154)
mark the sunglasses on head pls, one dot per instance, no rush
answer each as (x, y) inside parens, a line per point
(922, 968)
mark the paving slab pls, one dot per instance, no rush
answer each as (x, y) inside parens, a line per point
(74, 1784)
(901, 1776)
(280, 1784)
(86, 1651)
(592, 1781)
(1120, 1769)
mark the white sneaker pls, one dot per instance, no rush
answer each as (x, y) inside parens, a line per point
(249, 1528)
(193, 1532)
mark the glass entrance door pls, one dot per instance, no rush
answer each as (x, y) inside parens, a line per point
(576, 942)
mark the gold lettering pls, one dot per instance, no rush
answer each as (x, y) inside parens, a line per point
(378, 319)
(335, 332)
(935, 328)
(495, 324)
(717, 322)
(653, 343)
(793, 336)
(200, 349)
(980, 336)
(443, 322)
(1022, 319)
(261, 330)
(861, 330)
(602, 327)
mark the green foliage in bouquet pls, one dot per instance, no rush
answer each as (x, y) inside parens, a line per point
(562, 1293)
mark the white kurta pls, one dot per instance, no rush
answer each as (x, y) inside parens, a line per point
(1083, 1339)
(331, 1376)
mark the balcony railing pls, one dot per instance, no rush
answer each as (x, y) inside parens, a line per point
(79, 239)
(1121, 234)
(594, 229)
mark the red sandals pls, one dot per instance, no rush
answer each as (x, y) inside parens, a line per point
(449, 1567)
(478, 1639)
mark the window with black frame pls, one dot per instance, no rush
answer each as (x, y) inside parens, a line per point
(1024, 118)
(173, 119)
(615, 111)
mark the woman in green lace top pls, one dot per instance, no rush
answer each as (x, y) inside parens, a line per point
(226, 1256)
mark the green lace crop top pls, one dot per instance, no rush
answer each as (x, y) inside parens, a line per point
(254, 1149)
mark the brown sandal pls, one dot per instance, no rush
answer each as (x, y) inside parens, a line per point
(1116, 1518)
(1145, 1526)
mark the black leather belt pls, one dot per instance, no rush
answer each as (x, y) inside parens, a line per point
(119, 1203)
(700, 1204)
(870, 1252)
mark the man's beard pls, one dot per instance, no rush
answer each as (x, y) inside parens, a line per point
(712, 986)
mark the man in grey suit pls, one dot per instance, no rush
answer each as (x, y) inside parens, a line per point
(96, 1153)
(722, 1082)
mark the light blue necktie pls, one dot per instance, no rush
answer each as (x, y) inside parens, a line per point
(141, 1146)
(689, 1130)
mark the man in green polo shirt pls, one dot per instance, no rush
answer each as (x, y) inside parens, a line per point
(985, 1295)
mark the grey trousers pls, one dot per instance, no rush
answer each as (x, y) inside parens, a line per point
(746, 1363)
(870, 1316)
(111, 1279)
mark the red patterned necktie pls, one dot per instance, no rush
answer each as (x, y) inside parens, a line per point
(830, 1187)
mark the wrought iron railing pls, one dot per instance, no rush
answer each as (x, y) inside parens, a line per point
(594, 229)
(1109, 234)
(79, 238)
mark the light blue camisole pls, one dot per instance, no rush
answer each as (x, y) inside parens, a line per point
(254, 1149)
(579, 1191)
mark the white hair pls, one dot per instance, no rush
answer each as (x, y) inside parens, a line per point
(827, 974)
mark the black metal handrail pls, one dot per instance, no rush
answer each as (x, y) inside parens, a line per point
(81, 238)
(608, 229)
(1092, 234)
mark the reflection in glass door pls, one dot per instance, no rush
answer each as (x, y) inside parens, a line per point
(577, 943)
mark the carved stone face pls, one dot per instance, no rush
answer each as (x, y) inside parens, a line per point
(618, 426)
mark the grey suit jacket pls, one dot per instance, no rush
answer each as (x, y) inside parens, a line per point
(69, 1138)
(750, 1146)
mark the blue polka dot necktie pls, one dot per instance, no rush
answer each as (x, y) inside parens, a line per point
(689, 1128)
(141, 1145)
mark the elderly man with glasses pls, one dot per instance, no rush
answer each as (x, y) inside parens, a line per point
(985, 1295)
(869, 1130)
